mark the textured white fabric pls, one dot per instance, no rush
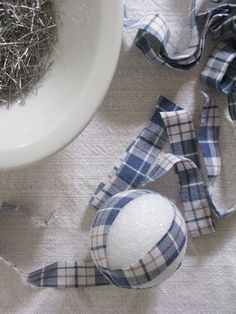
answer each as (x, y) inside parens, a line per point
(206, 282)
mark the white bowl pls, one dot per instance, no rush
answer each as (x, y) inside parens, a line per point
(88, 48)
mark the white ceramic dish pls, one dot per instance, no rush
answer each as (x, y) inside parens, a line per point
(89, 45)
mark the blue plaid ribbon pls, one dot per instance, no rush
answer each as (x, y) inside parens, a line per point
(96, 272)
(173, 124)
(220, 74)
(154, 37)
(154, 40)
(142, 163)
(209, 133)
(169, 123)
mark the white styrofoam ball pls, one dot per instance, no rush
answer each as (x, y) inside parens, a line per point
(138, 227)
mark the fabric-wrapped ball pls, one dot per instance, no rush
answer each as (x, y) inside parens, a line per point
(138, 239)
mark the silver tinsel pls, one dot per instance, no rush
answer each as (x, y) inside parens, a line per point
(28, 33)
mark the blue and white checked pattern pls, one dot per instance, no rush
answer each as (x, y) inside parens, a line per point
(138, 158)
(209, 133)
(154, 40)
(196, 205)
(220, 70)
(155, 262)
(182, 137)
(139, 167)
(174, 122)
(68, 275)
(154, 36)
(168, 122)
(220, 74)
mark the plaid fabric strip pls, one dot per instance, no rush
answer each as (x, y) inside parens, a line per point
(154, 36)
(182, 137)
(156, 260)
(209, 133)
(103, 221)
(96, 272)
(168, 120)
(153, 263)
(154, 40)
(220, 74)
(138, 158)
(220, 70)
(183, 141)
(68, 275)
(192, 192)
(209, 143)
(181, 134)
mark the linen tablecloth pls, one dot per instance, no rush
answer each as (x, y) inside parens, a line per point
(206, 282)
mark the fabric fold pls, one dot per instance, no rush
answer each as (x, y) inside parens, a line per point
(220, 74)
(142, 164)
(154, 37)
(96, 272)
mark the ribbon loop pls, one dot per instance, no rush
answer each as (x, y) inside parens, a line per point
(138, 158)
(143, 163)
(183, 141)
(154, 36)
(209, 132)
(68, 275)
(220, 71)
(220, 74)
(168, 122)
(96, 272)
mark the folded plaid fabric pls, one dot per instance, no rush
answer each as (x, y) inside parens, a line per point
(138, 158)
(143, 163)
(168, 122)
(208, 137)
(209, 133)
(220, 74)
(154, 40)
(95, 272)
(154, 36)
